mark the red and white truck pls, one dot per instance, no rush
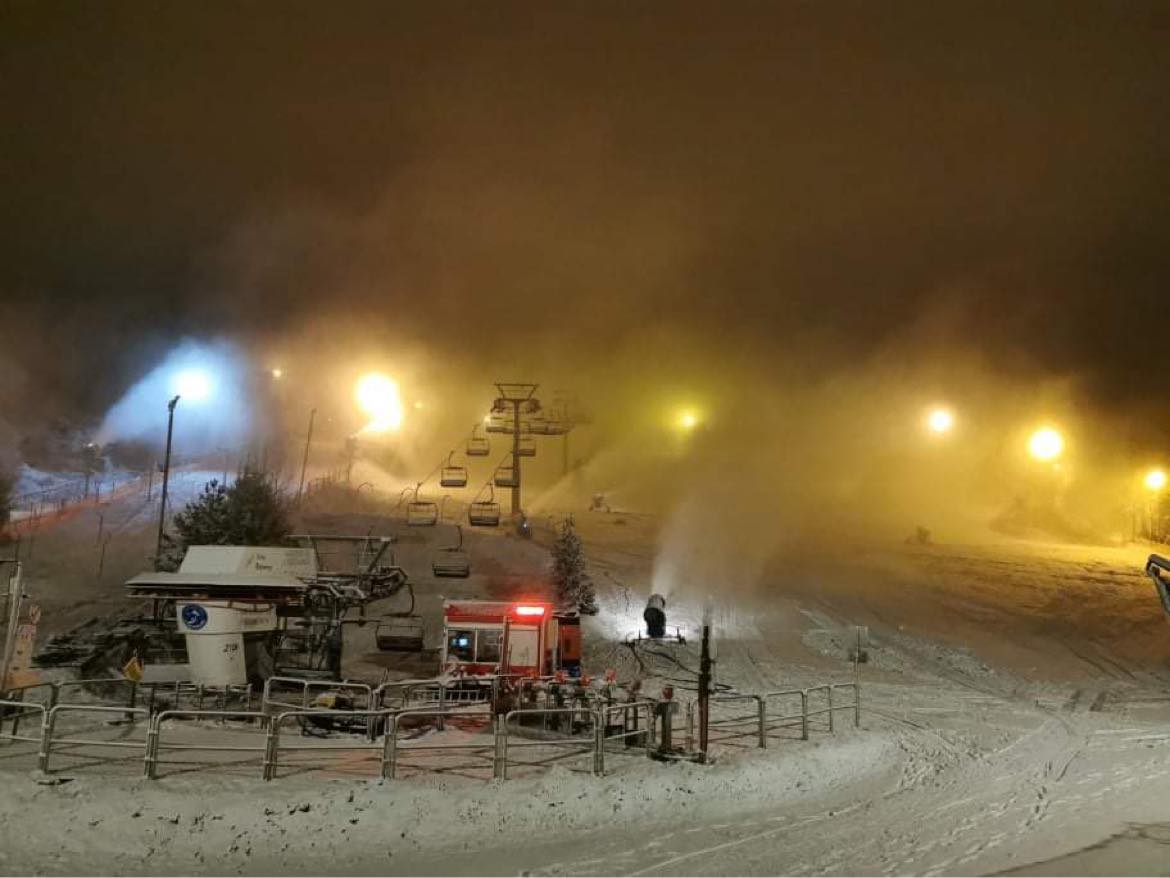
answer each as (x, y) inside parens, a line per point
(511, 637)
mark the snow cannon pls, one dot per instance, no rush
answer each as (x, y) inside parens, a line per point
(1158, 569)
(655, 616)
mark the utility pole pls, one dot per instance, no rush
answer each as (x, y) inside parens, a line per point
(162, 511)
(305, 459)
(704, 688)
(350, 452)
(517, 394)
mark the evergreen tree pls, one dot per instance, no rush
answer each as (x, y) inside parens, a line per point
(250, 512)
(574, 585)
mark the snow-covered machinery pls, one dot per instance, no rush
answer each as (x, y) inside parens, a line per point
(1158, 569)
(249, 612)
(510, 637)
(655, 616)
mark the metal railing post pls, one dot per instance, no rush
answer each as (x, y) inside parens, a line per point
(500, 769)
(829, 694)
(857, 705)
(152, 732)
(392, 749)
(271, 745)
(804, 714)
(388, 751)
(599, 742)
(762, 707)
(46, 738)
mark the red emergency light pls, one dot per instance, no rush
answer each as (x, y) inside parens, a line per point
(523, 610)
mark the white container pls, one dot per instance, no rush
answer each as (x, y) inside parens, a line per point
(215, 638)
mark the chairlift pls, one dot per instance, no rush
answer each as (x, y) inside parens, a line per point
(452, 561)
(399, 634)
(478, 446)
(505, 477)
(484, 513)
(532, 405)
(546, 427)
(498, 424)
(526, 447)
(422, 513)
(452, 476)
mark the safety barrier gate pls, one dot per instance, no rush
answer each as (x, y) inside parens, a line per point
(592, 729)
(155, 745)
(763, 722)
(479, 751)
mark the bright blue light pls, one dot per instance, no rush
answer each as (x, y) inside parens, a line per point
(213, 411)
(193, 385)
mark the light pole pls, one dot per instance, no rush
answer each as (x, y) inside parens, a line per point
(1155, 482)
(305, 459)
(162, 511)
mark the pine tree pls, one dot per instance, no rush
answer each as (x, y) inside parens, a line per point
(250, 512)
(574, 585)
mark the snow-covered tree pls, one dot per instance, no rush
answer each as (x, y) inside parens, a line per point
(251, 512)
(574, 586)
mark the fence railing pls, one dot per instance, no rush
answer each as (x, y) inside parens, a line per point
(273, 746)
(580, 745)
(395, 746)
(18, 710)
(48, 742)
(155, 745)
(762, 722)
(591, 729)
(272, 703)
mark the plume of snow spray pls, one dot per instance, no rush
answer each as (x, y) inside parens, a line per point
(213, 411)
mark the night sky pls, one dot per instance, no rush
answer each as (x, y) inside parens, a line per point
(823, 175)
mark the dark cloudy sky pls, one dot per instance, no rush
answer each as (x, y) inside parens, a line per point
(758, 174)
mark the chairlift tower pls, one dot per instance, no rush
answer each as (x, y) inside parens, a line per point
(516, 395)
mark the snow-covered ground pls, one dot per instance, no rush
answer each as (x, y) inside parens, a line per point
(1015, 711)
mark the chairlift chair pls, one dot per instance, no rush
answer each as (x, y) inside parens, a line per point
(452, 561)
(526, 447)
(505, 477)
(498, 424)
(452, 476)
(400, 633)
(484, 513)
(422, 513)
(478, 446)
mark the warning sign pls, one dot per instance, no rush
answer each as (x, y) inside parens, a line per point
(133, 669)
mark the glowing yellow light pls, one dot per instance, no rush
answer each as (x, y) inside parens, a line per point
(377, 396)
(278, 373)
(1046, 444)
(688, 419)
(940, 420)
(1155, 479)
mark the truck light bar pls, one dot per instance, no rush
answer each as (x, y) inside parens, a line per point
(529, 611)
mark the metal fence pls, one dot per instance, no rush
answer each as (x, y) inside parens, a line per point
(764, 722)
(479, 752)
(550, 733)
(272, 704)
(273, 745)
(155, 745)
(48, 742)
